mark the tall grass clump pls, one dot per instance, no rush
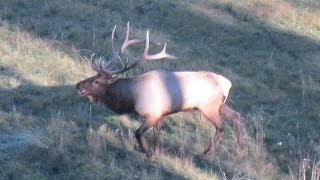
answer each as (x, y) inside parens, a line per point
(268, 49)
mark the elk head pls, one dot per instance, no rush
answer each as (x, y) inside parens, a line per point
(95, 87)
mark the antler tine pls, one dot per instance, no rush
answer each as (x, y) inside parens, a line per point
(161, 55)
(94, 66)
(145, 56)
(115, 54)
(112, 36)
(128, 42)
(103, 67)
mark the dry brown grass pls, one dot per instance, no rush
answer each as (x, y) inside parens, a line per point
(269, 49)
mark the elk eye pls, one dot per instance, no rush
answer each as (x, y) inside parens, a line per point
(96, 82)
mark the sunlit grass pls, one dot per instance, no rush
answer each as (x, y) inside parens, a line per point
(269, 49)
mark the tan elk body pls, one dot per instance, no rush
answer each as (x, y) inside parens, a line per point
(158, 93)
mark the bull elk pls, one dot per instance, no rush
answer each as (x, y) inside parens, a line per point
(158, 93)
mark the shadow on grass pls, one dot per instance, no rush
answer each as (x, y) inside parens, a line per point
(30, 99)
(272, 69)
(62, 149)
(113, 163)
(63, 119)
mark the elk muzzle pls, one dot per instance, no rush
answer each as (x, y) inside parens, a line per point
(80, 91)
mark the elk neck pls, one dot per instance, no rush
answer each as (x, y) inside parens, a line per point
(119, 96)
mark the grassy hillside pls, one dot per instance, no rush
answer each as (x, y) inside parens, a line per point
(269, 49)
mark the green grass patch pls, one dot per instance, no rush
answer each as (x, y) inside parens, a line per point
(268, 49)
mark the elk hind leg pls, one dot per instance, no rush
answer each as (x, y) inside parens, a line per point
(214, 141)
(156, 133)
(229, 114)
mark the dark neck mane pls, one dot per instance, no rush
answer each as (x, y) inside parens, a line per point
(119, 96)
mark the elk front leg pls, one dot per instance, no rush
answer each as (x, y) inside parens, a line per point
(143, 128)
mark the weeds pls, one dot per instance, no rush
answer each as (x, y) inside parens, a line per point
(308, 170)
(269, 49)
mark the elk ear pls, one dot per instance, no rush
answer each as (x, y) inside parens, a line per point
(103, 75)
(112, 78)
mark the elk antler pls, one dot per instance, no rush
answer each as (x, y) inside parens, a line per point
(115, 55)
(145, 56)
(161, 55)
(128, 42)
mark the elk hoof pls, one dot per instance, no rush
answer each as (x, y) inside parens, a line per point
(206, 157)
(209, 152)
(156, 154)
(149, 155)
(152, 155)
(241, 145)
